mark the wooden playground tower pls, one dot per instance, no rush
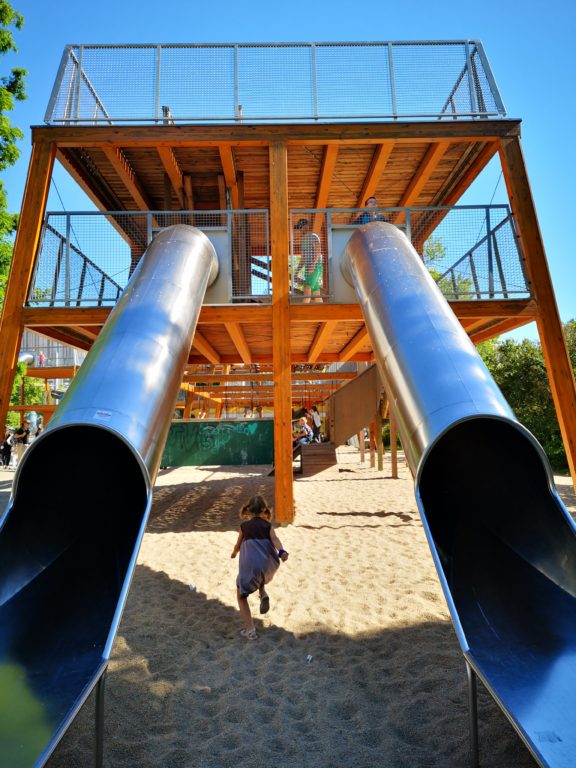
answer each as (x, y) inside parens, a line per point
(285, 160)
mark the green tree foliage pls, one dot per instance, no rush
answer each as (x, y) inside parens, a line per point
(11, 89)
(434, 250)
(519, 370)
(34, 393)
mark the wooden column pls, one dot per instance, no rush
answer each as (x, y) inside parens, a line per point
(554, 350)
(279, 249)
(393, 447)
(27, 237)
(362, 446)
(372, 431)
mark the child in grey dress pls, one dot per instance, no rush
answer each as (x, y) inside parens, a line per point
(260, 554)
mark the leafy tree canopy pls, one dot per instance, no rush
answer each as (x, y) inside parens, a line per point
(519, 370)
(11, 89)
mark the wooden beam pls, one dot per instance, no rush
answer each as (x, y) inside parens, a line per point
(357, 341)
(205, 348)
(264, 378)
(379, 161)
(425, 170)
(229, 170)
(52, 372)
(188, 192)
(496, 329)
(172, 170)
(322, 335)
(323, 191)
(85, 183)
(550, 330)
(471, 173)
(279, 250)
(128, 177)
(239, 340)
(22, 266)
(244, 134)
(321, 313)
(495, 308)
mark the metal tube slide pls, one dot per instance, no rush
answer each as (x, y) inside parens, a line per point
(503, 543)
(82, 494)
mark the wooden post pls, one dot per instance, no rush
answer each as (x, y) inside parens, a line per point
(279, 249)
(393, 447)
(379, 447)
(23, 258)
(554, 350)
(188, 404)
(372, 432)
(362, 446)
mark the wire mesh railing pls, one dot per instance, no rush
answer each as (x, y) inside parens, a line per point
(86, 259)
(273, 82)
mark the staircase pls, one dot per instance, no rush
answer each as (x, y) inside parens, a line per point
(318, 458)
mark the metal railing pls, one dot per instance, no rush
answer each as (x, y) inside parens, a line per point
(86, 259)
(273, 82)
(471, 251)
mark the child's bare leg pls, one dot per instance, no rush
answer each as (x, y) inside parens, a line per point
(264, 599)
(245, 614)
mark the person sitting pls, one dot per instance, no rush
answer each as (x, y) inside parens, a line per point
(304, 434)
(370, 213)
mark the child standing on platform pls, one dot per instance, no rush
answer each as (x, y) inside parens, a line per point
(260, 554)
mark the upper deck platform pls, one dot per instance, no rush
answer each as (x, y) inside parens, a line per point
(190, 128)
(181, 127)
(273, 82)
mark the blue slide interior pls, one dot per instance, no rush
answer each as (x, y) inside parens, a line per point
(507, 550)
(65, 551)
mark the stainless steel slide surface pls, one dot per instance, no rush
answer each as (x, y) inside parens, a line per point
(82, 494)
(503, 543)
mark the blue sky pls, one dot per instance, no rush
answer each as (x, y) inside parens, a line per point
(529, 45)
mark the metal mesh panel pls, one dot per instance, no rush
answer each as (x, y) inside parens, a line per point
(75, 267)
(309, 273)
(198, 82)
(426, 75)
(86, 259)
(354, 80)
(472, 252)
(251, 266)
(273, 82)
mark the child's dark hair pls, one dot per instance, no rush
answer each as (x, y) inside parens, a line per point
(255, 506)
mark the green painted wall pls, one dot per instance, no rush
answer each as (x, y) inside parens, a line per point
(201, 442)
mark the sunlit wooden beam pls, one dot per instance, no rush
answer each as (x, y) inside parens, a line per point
(326, 175)
(379, 161)
(205, 348)
(230, 175)
(128, 177)
(239, 340)
(426, 168)
(172, 169)
(355, 343)
(322, 335)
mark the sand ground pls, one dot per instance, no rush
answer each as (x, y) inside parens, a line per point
(386, 683)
